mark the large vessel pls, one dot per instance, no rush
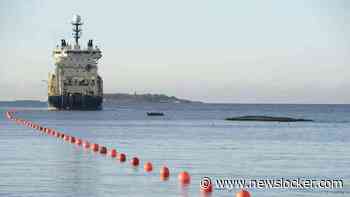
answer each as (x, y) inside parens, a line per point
(75, 83)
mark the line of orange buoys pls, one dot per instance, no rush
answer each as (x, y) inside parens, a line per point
(184, 177)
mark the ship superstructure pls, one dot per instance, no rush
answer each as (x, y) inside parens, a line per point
(75, 83)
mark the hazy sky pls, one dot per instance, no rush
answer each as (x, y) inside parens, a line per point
(251, 51)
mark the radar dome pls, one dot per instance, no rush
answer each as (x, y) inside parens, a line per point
(76, 19)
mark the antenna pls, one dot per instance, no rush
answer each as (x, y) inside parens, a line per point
(77, 31)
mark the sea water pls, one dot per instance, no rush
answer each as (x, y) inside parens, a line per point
(190, 137)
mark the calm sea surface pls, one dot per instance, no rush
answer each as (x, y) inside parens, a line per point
(189, 137)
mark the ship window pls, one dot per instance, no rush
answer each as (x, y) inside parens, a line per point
(88, 67)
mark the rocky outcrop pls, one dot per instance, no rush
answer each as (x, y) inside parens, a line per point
(267, 119)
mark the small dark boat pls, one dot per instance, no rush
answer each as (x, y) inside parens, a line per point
(155, 114)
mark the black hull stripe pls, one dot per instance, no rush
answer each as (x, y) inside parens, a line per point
(76, 102)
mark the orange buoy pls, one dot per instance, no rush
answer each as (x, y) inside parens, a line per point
(121, 157)
(184, 177)
(135, 161)
(63, 136)
(58, 134)
(66, 138)
(53, 133)
(72, 140)
(103, 150)
(164, 173)
(205, 185)
(113, 153)
(86, 144)
(243, 193)
(94, 147)
(78, 142)
(148, 167)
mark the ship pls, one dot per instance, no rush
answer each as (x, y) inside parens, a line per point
(75, 83)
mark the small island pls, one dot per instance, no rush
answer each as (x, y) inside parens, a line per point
(267, 119)
(112, 98)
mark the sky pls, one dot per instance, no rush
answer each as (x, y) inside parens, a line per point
(222, 51)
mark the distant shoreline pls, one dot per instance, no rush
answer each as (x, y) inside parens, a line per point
(117, 98)
(121, 98)
(125, 98)
(39, 103)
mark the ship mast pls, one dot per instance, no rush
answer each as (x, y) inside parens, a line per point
(77, 31)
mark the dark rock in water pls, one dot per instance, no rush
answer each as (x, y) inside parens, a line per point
(155, 114)
(267, 119)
